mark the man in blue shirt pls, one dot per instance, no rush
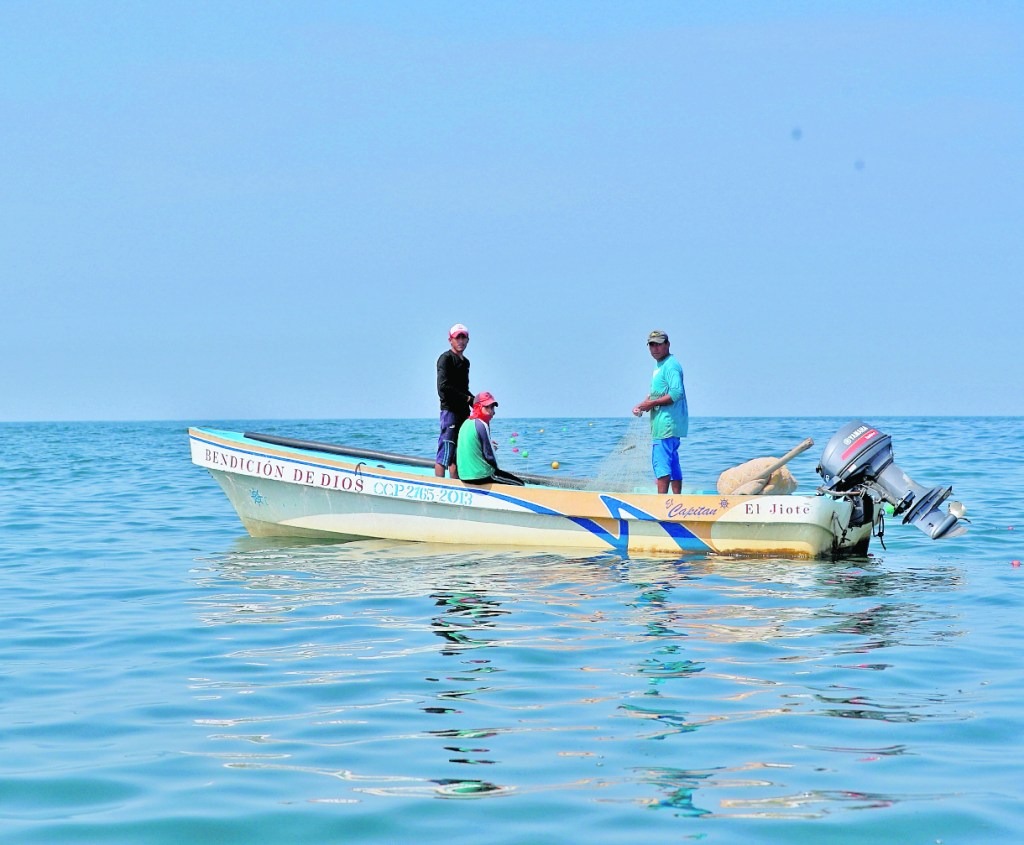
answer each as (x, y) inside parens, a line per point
(670, 418)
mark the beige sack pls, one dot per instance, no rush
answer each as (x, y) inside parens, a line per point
(780, 483)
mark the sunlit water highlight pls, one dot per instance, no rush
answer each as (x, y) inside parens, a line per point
(167, 679)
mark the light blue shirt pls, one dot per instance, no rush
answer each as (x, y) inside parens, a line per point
(669, 420)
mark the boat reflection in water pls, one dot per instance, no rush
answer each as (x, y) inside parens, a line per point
(422, 670)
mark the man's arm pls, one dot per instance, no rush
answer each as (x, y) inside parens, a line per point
(443, 378)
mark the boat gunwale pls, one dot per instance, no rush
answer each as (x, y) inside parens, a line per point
(335, 460)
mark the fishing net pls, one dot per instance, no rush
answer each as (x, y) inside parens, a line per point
(627, 469)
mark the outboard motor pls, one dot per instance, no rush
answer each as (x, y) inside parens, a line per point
(859, 458)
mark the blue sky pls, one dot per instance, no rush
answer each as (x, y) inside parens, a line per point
(219, 210)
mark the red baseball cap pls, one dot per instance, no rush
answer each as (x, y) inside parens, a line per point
(484, 399)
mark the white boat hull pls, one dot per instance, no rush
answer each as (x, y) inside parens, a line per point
(293, 492)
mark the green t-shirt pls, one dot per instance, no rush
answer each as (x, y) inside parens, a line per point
(668, 420)
(472, 450)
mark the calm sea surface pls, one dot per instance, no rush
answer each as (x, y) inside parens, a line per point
(166, 679)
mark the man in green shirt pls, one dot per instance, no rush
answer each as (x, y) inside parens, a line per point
(670, 418)
(475, 452)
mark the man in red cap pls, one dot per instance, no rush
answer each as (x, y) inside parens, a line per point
(456, 400)
(477, 464)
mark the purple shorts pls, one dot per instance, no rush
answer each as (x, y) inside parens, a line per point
(450, 423)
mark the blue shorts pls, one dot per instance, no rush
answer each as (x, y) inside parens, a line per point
(665, 459)
(446, 439)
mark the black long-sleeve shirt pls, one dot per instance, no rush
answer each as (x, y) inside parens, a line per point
(453, 383)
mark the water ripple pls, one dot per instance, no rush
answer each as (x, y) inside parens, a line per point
(170, 680)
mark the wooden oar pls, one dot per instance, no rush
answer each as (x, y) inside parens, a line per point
(756, 485)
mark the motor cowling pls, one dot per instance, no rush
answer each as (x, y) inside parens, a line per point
(859, 458)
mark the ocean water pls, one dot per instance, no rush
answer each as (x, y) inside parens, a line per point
(166, 679)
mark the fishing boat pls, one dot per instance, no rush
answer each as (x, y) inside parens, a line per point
(284, 487)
